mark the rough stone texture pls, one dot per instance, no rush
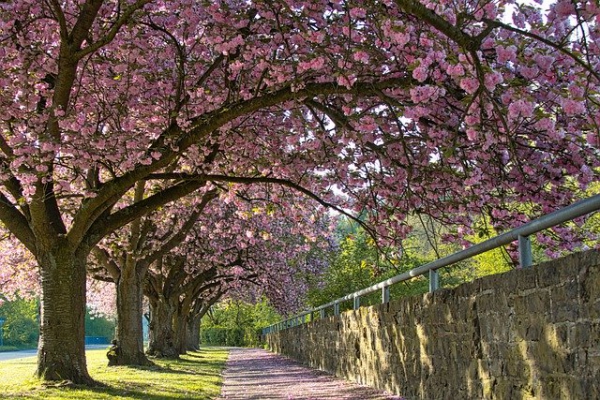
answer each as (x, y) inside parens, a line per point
(524, 334)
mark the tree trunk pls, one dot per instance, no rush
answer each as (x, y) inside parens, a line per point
(193, 332)
(61, 348)
(130, 334)
(184, 309)
(180, 325)
(162, 336)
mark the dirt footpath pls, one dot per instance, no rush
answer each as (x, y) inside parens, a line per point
(259, 374)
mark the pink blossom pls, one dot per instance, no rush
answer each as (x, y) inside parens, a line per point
(573, 107)
(506, 54)
(455, 70)
(469, 85)
(529, 72)
(358, 12)
(420, 74)
(471, 134)
(346, 81)
(361, 56)
(400, 38)
(492, 80)
(520, 108)
(564, 8)
(544, 62)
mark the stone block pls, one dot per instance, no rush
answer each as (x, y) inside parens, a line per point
(566, 304)
(580, 335)
(552, 272)
(589, 280)
(537, 302)
(526, 279)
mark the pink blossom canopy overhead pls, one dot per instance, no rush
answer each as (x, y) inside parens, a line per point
(443, 107)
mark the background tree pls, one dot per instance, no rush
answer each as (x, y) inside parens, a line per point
(21, 327)
(248, 242)
(235, 322)
(125, 256)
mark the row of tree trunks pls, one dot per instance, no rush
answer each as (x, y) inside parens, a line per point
(129, 332)
(163, 338)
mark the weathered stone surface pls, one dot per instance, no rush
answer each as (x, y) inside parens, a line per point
(524, 334)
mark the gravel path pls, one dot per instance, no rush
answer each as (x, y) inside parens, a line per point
(261, 375)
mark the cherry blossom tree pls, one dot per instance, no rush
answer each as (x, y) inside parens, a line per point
(125, 256)
(247, 242)
(447, 108)
(199, 308)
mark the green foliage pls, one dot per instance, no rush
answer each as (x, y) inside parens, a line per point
(358, 264)
(592, 222)
(491, 262)
(96, 325)
(236, 323)
(21, 327)
(196, 376)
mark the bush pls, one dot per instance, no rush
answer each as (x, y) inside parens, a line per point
(21, 332)
(238, 337)
(214, 336)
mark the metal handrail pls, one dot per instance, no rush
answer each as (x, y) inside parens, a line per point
(521, 234)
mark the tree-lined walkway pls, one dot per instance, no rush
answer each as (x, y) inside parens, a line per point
(259, 374)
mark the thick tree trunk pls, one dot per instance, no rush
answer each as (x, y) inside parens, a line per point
(61, 348)
(193, 332)
(184, 309)
(130, 334)
(162, 335)
(180, 325)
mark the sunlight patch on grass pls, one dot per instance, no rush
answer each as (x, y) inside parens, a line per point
(196, 375)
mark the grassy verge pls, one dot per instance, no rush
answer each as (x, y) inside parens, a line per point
(196, 376)
(9, 348)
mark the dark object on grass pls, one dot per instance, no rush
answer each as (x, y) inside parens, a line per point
(113, 353)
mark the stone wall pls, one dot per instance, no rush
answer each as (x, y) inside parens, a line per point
(525, 334)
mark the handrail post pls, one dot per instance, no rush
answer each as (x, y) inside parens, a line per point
(525, 254)
(434, 280)
(322, 313)
(336, 309)
(385, 294)
(356, 302)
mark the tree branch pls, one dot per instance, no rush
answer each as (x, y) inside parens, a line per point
(181, 234)
(122, 217)
(261, 179)
(562, 49)
(16, 223)
(112, 33)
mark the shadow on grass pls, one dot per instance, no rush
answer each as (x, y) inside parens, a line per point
(195, 355)
(194, 376)
(138, 393)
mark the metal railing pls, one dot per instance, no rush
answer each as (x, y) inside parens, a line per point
(520, 234)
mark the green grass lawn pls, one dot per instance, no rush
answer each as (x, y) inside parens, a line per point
(196, 375)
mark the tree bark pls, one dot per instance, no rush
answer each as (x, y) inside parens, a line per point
(61, 348)
(162, 335)
(180, 325)
(193, 332)
(130, 334)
